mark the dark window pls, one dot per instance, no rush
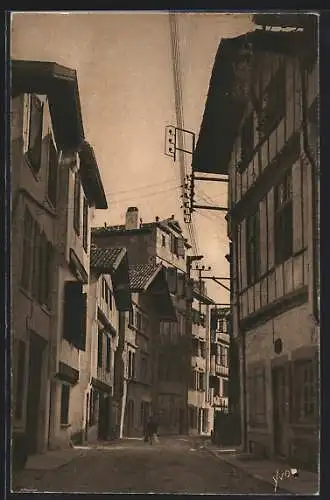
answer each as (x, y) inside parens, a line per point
(27, 256)
(44, 271)
(143, 369)
(181, 249)
(283, 219)
(74, 321)
(200, 381)
(110, 299)
(252, 248)
(76, 208)
(52, 172)
(85, 224)
(20, 370)
(247, 142)
(274, 103)
(36, 261)
(163, 240)
(108, 360)
(225, 388)
(131, 317)
(305, 393)
(65, 400)
(35, 133)
(100, 349)
(103, 288)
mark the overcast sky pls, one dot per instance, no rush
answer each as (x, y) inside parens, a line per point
(125, 78)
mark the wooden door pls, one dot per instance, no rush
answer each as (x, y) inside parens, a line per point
(37, 346)
(279, 408)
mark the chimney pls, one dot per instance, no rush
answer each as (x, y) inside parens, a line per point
(132, 217)
(157, 218)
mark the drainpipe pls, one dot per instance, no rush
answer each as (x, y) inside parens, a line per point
(314, 185)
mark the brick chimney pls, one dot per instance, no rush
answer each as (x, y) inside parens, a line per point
(132, 218)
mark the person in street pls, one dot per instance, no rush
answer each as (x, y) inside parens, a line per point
(151, 430)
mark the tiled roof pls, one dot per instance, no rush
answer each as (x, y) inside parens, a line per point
(105, 258)
(141, 274)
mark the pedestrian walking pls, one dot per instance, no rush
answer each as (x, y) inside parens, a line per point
(151, 430)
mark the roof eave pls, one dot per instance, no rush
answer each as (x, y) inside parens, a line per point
(91, 178)
(60, 84)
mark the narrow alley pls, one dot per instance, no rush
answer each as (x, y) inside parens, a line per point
(174, 465)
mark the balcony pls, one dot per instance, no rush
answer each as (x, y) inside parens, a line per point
(221, 370)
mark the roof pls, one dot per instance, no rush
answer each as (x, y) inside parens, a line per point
(106, 259)
(169, 225)
(224, 107)
(60, 84)
(141, 275)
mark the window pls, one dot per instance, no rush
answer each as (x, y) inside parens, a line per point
(203, 349)
(224, 388)
(108, 359)
(247, 142)
(223, 356)
(283, 219)
(27, 255)
(20, 369)
(109, 299)
(163, 240)
(35, 133)
(305, 395)
(195, 347)
(85, 224)
(274, 103)
(131, 316)
(52, 172)
(76, 208)
(100, 349)
(174, 245)
(131, 364)
(65, 399)
(143, 373)
(253, 248)
(257, 395)
(200, 381)
(43, 270)
(202, 319)
(313, 128)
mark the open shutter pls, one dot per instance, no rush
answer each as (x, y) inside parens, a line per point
(35, 132)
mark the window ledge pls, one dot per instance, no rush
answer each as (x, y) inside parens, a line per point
(65, 426)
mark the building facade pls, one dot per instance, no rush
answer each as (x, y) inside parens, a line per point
(200, 397)
(152, 243)
(56, 185)
(219, 358)
(108, 296)
(269, 80)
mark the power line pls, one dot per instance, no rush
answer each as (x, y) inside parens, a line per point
(147, 186)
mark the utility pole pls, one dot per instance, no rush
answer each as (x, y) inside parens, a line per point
(189, 261)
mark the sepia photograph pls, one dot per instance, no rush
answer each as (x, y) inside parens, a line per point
(165, 255)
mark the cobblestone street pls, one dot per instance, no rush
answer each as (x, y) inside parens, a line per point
(172, 466)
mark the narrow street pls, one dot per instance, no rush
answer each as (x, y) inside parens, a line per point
(175, 465)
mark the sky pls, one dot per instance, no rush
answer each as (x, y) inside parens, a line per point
(126, 87)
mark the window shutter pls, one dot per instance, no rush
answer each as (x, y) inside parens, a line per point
(181, 247)
(35, 132)
(27, 250)
(172, 279)
(52, 171)
(42, 268)
(49, 274)
(36, 261)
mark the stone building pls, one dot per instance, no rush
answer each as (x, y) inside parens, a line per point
(152, 243)
(55, 187)
(260, 127)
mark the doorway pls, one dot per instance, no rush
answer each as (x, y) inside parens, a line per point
(33, 424)
(104, 417)
(279, 379)
(129, 417)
